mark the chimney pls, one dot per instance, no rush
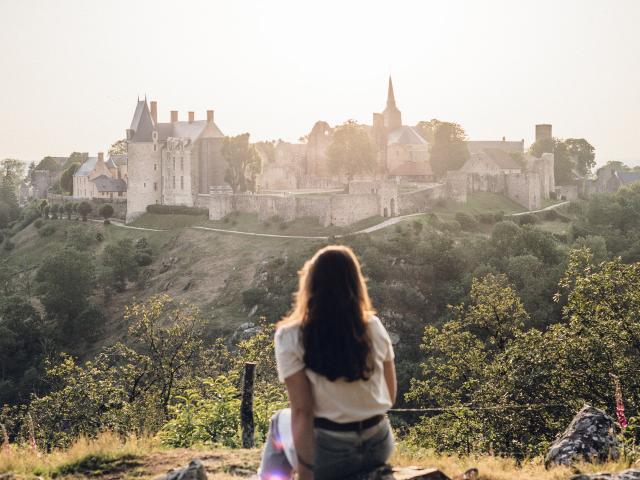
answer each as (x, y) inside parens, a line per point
(209, 116)
(191, 117)
(504, 138)
(174, 116)
(154, 111)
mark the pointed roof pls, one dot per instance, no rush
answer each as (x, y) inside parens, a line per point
(406, 135)
(142, 123)
(391, 99)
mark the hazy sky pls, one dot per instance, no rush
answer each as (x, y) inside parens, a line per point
(72, 70)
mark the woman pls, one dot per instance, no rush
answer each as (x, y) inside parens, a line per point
(336, 360)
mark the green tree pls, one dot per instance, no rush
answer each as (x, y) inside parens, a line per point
(106, 211)
(582, 153)
(351, 151)
(448, 145)
(121, 263)
(65, 281)
(243, 163)
(66, 180)
(84, 209)
(68, 208)
(118, 147)
(54, 211)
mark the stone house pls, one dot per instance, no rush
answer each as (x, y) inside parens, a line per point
(96, 178)
(171, 163)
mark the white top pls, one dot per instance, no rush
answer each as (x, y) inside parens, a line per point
(339, 401)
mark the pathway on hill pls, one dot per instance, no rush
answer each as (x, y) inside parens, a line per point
(384, 224)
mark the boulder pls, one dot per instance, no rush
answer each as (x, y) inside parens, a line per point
(589, 437)
(632, 474)
(413, 473)
(194, 471)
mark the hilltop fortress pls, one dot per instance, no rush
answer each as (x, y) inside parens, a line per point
(181, 163)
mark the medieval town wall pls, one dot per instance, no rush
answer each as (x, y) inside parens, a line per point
(457, 186)
(421, 200)
(351, 208)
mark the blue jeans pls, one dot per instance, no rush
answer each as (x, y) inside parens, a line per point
(337, 454)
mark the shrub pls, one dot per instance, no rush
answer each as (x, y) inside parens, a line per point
(452, 226)
(527, 219)
(38, 223)
(47, 231)
(466, 221)
(99, 237)
(8, 245)
(177, 210)
(84, 209)
(106, 211)
(143, 259)
(1, 237)
(486, 218)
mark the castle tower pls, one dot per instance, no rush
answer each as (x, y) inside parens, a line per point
(392, 116)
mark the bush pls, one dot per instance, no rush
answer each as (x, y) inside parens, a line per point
(550, 215)
(177, 210)
(143, 259)
(38, 223)
(47, 231)
(1, 237)
(486, 218)
(452, 226)
(527, 219)
(99, 237)
(466, 221)
(8, 245)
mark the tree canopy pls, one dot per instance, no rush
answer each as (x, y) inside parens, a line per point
(448, 148)
(351, 151)
(243, 163)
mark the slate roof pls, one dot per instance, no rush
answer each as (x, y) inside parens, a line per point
(405, 135)
(412, 169)
(502, 158)
(477, 146)
(142, 123)
(87, 167)
(107, 184)
(629, 177)
(143, 126)
(118, 159)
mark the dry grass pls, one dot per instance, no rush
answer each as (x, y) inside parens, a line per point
(108, 457)
(107, 452)
(497, 468)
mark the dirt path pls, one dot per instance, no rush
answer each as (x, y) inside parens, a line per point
(384, 224)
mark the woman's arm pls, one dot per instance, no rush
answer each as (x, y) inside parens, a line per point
(390, 379)
(301, 400)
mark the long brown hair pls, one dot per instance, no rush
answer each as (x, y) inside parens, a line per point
(332, 306)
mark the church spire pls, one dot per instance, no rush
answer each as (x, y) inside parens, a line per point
(391, 99)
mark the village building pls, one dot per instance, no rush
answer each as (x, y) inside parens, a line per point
(171, 163)
(97, 179)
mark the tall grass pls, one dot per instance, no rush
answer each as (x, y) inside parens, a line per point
(86, 454)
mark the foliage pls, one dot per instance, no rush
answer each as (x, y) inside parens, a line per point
(66, 179)
(176, 210)
(47, 230)
(351, 151)
(570, 155)
(243, 163)
(121, 263)
(84, 209)
(448, 148)
(48, 163)
(106, 211)
(118, 147)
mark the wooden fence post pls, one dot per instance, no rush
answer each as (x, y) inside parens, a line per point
(246, 406)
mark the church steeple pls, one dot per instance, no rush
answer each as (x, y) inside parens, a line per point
(392, 116)
(391, 99)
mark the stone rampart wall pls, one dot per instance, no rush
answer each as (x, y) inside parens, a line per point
(421, 200)
(524, 189)
(348, 209)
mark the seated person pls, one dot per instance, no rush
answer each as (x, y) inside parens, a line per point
(336, 360)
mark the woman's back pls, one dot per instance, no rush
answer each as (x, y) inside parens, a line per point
(340, 400)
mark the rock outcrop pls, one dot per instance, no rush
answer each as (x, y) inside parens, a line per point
(194, 471)
(632, 474)
(589, 437)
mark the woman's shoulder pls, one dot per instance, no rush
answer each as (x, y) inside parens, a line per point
(287, 332)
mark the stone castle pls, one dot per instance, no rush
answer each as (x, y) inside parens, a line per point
(180, 163)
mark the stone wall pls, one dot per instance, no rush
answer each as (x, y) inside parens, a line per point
(348, 209)
(145, 177)
(524, 189)
(567, 192)
(457, 186)
(422, 200)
